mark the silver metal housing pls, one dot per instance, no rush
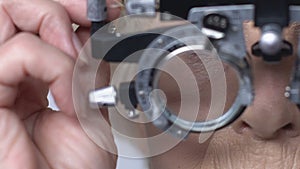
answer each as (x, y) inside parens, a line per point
(293, 90)
(96, 10)
(232, 43)
(167, 120)
(141, 7)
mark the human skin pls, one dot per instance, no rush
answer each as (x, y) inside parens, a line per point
(38, 50)
(265, 136)
(261, 138)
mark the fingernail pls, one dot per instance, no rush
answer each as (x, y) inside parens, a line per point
(77, 44)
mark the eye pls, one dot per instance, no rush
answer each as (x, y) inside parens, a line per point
(186, 81)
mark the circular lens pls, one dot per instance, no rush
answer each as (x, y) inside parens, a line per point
(186, 84)
(195, 88)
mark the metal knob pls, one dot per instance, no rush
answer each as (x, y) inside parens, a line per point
(104, 97)
(271, 39)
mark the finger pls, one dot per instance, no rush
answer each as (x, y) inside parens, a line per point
(31, 97)
(114, 9)
(46, 18)
(15, 143)
(37, 59)
(7, 29)
(17, 149)
(83, 34)
(65, 145)
(77, 10)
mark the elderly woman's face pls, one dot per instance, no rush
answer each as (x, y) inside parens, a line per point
(267, 133)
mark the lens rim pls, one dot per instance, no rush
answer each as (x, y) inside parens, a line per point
(147, 80)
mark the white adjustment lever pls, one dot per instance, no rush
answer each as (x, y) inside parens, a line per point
(104, 97)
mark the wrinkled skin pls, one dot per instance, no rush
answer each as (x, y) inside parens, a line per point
(38, 50)
(265, 136)
(32, 136)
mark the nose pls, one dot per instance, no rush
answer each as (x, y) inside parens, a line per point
(271, 115)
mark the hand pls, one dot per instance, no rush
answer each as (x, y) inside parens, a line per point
(37, 51)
